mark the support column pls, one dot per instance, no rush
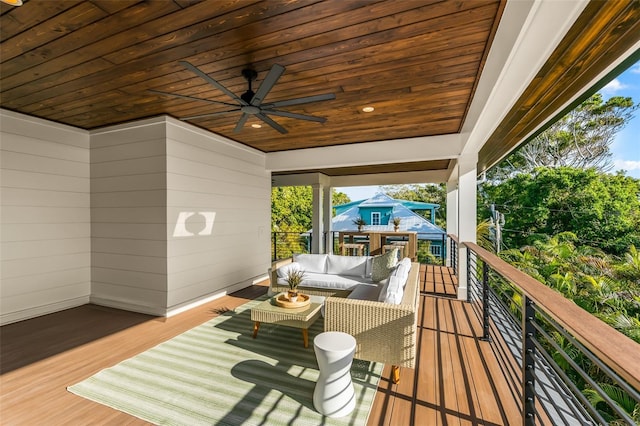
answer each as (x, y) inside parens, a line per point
(327, 216)
(467, 216)
(452, 212)
(317, 220)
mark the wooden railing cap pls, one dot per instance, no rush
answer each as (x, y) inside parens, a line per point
(618, 351)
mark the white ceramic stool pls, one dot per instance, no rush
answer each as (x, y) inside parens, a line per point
(334, 395)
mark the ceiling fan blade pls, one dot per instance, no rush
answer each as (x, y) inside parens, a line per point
(298, 101)
(241, 122)
(267, 84)
(272, 123)
(212, 82)
(212, 114)
(190, 97)
(294, 115)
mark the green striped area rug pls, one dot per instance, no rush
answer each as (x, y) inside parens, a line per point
(217, 374)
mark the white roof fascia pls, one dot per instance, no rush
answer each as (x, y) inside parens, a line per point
(368, 153)
(301, 179)
(399, 178)
(452, 172)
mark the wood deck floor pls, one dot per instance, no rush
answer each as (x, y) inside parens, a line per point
(457, 380)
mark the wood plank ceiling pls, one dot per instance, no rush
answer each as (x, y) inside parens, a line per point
(92, 63)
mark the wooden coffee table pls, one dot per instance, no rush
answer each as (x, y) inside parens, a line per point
(302, 318)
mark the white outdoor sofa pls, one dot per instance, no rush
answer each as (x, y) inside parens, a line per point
(383, 324)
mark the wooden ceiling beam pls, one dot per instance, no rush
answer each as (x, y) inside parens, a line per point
(604, 31)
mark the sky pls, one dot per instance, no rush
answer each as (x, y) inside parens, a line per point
(625, 148)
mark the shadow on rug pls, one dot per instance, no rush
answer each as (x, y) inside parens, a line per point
(217, 374)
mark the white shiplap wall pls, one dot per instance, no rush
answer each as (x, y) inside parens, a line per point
(91, 216)
(214, 181)
(128, 212)
(147, 175)
(45, 244)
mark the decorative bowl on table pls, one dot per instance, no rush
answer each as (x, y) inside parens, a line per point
(283, 301)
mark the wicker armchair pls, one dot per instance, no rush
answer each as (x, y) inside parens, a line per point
(384, 332)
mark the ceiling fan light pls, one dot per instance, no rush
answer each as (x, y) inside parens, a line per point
(368, 109)
(12, 2)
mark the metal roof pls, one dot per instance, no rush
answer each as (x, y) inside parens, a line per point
(409, 221)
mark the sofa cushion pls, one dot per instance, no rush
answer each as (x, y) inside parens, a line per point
(381, 266)
(392, 292)
(383, 289)
(316, 263)
(337, 282)
(355, 266)
(283, 271)
(365, 292)
(402, 270)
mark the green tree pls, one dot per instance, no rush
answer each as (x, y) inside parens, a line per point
(598, 283)
(483, 235)
(630, 268)
(338, 198)
(621, 398)
(602, 210)
(580, 139)
(426, 193)
(292, 207)
(291, 216)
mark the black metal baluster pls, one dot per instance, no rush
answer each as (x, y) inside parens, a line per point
(454, 250)
(528, 363)
(468, 275)
(275, 246)
(485, 302)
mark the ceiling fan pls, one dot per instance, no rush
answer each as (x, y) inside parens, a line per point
(250, 102)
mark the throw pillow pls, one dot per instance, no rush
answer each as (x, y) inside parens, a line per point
(354, 266)
(283, 271)
(394, 291)
(316, 263)
(381, 266)
(402, 270)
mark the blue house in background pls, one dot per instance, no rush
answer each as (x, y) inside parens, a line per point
(379, 211)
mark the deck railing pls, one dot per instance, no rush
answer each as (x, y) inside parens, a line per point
(284, 244)
(453, 252)
(426, 244)
(432, 248)
(569, 358)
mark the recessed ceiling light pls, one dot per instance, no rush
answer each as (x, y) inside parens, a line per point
(368, 109)
(256, 125)
(12, 2)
